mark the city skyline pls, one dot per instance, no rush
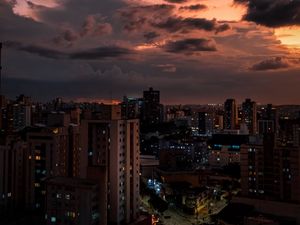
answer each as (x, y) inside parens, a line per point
(194, 52)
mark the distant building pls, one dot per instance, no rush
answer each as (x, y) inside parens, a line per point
(230, 114)
(152, 109)
(19, 115)
(249, 112)
(206, 123)
(225, 149)
(266, 126)
(149, 164)
(131, 107)
(289, 132)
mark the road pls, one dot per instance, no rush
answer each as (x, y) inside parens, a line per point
(175, 216)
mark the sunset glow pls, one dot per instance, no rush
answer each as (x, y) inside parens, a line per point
(289, 37)
(27, 8)
(223, 10)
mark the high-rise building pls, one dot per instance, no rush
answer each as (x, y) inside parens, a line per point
(47, 156)
(230, 114)
(16, 115)
(72, 201)
(12, 175)
(110, 156)
(249, 112)
(267, 120)
(206, 123)
(131, 107)
(270, 171)
(30, 156)
(152, 109)
(266, 126)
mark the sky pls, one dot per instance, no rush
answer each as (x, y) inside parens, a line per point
(193, 51)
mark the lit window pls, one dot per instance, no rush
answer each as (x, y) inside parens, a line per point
(53, 219)
(67, 196)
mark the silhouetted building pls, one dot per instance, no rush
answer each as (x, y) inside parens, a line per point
(131, 107)
(249, 112)
(266, 126)
(230, 114)
(152, 109)
(206, 123)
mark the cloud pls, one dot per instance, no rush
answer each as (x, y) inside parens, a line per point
(94, 25)
(190, 46)
(176, 1)
(23, 28)
(100, 53)
(272, 64)
(272, 13)
(174, 24)
(68, 37)
(196, 7)
(168, 68)
(222, 28)
(36, 50)
(138, 17)
(150, 36)
(90, 54)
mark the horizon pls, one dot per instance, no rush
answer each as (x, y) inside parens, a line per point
(118, 101)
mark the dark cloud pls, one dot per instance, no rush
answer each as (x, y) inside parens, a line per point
(34, 49)
(176, 1)
(174, 24)
(271, 64)
(102, 52)
(196, 7)
(74, 11)
(272, 13)
(90, 54)
(68, 37)
(95, 25)
(163, 17)
(223, 27)
(190, 46)
(168, 68)
(150, 36)
(137, 17)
